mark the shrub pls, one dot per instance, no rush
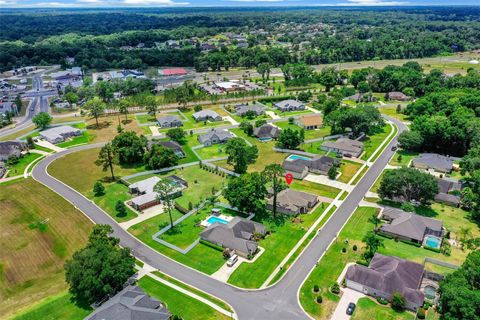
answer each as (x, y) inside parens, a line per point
(344, 250)
(407, 207)
(316, 288)
(354, 248)
(98, 189)
(382, 300)
(335, 288)
(190, 205)
(421, 313)
(398, 302)
(319, 299)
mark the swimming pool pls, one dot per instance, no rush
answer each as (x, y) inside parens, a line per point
(433, 242)
(264, 139)
(430, 292)
(213, 219)
(296, 157)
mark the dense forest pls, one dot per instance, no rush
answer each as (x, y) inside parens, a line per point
(95, 37)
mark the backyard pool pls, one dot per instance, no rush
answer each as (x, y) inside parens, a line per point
(296, 157)
(265, 139)
(223, 219)
(433, 242)
(430, 292)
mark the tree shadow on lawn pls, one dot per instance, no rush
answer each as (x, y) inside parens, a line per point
(101, 125)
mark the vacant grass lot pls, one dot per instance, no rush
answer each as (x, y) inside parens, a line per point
(107, 129)
(285, 233)
(374, 141)
(33, 253)
(315, 188)
(187, 308)
(56, 307)
(309, 134)
(211, 152)
(391, 111)
(348, 170)
(23, 162)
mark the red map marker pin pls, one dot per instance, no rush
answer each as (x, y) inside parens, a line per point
(289, 178)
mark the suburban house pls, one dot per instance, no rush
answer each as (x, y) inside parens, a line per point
(132, 303)
(11, 148)
(215, 137)
(433, 161)
(175, 146)
(361, 97)
(397, 96)
(300, 167)
(266, 131)
(146, 197)
(344, 146)
(60, 133)
(293, 202)
(204, 115)
(289, 105)
(445, 187)
(238, 235)
(386, 275)
(409, 226)
(169, 122)
(310, 121)
(242, 109)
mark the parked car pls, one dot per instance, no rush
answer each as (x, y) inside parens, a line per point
(232, 260)
(394, 148)
(351, 308)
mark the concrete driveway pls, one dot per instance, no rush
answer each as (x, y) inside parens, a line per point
(348, 295)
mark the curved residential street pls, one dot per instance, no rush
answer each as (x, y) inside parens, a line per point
(276, 302)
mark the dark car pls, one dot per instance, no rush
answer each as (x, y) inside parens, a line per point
(350, 308)
(394, 148)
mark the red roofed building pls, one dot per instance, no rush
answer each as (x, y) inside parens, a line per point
(172, 72)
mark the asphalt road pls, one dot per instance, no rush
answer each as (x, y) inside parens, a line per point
(277, 302)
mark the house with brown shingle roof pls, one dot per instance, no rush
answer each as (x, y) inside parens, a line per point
(310, 121)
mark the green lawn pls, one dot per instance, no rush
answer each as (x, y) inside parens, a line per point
(315, 188)
(360, 175)
(214, 151)
(37, 147)
(56, 307)
(368, 309)
(348, 170)
(405, 158)
(378, 182)
(374, 141)
(82, 139)
(391, 111)
(309, 134)
(285, 233)
(146, 118)
(314, 147)
(114, 192)
(23, 162)
(179, 303)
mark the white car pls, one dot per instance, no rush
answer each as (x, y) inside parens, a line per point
(232, 260)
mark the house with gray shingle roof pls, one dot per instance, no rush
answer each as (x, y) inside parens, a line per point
(266, 131)
(386, 275)
(433, 161)
(238, 235)
(397, 96)
(289, 105)
(169, 122)
(10, 149)
(344, 146)
(293, 202)
(299, 168)
(409, 226)
(445, 187)
(215, 137)
(60, 133)
(242, 109)
(132, 303)
(204, 115)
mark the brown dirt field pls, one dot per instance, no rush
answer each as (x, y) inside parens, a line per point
(31, 260)
(107, 128)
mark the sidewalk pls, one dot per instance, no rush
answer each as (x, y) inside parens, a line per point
(272, 115)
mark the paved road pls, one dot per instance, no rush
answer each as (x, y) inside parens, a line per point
(277, 302)
(39, 103)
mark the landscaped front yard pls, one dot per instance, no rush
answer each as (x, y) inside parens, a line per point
(402, 158)
(315, 188)
(84, 138)
(19, 167)
(368, 309)
(348, 169)
(285, 233)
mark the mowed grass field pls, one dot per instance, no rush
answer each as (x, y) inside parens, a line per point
(33, 254)
(107, 128)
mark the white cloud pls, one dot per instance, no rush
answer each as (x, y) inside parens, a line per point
(7, 3)
(254, 0)
(372, 3)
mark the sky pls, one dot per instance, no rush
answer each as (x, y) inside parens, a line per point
(222, 3)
